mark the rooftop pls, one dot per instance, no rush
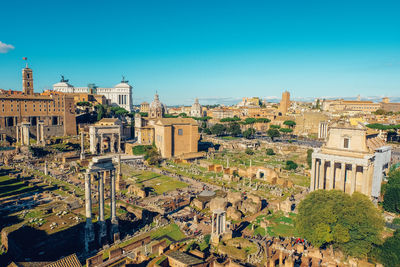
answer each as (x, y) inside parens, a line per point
(184, 258)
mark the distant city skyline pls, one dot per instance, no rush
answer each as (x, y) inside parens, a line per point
(216, 51)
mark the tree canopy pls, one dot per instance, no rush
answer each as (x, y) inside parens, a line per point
(388, 254)
(218, 129)
(391, 192)
(229, 119)
(290, 123)
(274, 126)
(234, 129)
(286, 130)
(351, 223)
(385, 127)
(273, 133)
(249, 133)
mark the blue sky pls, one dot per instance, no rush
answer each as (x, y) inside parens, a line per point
(215, 50)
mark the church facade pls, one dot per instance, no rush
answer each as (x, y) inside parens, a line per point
(172, 136)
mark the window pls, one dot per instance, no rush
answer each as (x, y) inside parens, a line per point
(346, 143)
(180, 132)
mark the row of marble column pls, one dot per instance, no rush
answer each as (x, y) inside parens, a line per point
(322, 179)
(219, 222)
(89, 230)
(22, 134)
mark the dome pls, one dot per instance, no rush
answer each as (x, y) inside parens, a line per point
(196, 104)
(156, 103)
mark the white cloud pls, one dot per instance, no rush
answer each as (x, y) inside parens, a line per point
(5, 48)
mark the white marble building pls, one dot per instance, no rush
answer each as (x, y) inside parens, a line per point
(120, 94)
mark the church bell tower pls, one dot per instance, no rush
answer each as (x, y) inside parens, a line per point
(27, 81)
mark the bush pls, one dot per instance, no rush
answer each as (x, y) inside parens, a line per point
(249, 151)
(290, 165)
(270, 152)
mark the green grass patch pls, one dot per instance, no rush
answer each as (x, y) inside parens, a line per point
(172, 231)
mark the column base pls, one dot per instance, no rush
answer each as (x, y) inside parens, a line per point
(102, 232)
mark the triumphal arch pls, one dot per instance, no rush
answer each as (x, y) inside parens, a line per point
(105, 136)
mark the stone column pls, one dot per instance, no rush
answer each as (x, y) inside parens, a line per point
(365, 181)
(212, 223)
(112, 143)
(119, 143)
(17, 132)
(102, 144)
(322, 174)
(317, 171)
(113, 204)
(42, 133)
(312, 183)
(37, 134)
(331, 183)
(114, 220)
(342, 176)
(82, 147)
(353, 178)
(103, 226)
(89, 232)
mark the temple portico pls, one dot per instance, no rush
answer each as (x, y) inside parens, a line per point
(343, 173)
(350, 161)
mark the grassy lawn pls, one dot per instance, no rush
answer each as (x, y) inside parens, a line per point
(238, 248)
(160, 183)
(172, 231)
(229, 138)
(299, 179)
(10, 187)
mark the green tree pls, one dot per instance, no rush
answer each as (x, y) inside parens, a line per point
(351, 223)
(207, 131)
(218, 129)
(234, 129)
(183, 115)
(249, 133)
(144, 114)
(229, 119)
(270, 152)
(290, 123)
(388, 254)
(101, 111)
(249, 121)
(286, 130)
(274, 126)
(273, 133)
(263, 120)
(309, 157)
(391, 192)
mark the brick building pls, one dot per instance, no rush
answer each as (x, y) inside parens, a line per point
(56, 110)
